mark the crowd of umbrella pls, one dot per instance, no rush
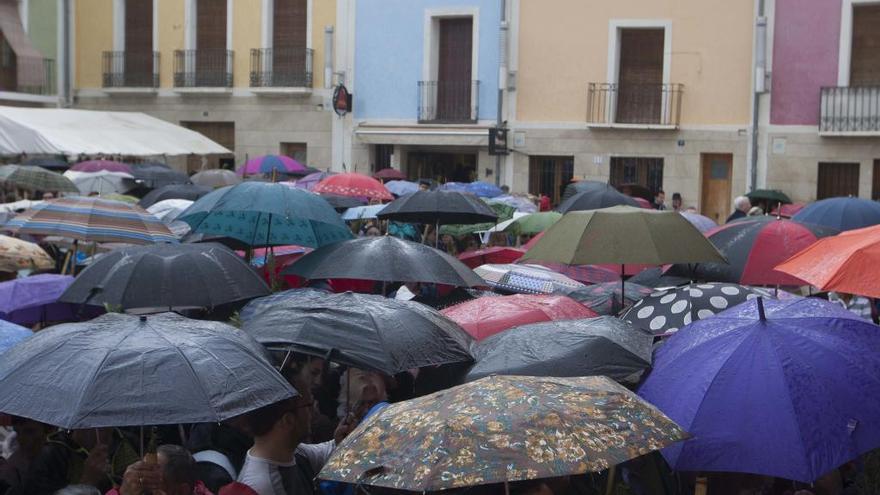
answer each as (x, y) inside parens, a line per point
(730, 373)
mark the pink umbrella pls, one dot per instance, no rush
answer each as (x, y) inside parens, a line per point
(100, 165)
(353, 184)
(266, 164)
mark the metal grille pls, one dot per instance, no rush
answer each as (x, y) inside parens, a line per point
(281, 67)
(644, 104)
(131, 70)
(203, 68)
(849, 109)
(646, 172)
(448, 101)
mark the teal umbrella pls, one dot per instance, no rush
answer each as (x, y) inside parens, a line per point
(264, 214)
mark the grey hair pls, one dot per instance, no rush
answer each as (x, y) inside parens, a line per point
(78, 490)
(740, 202)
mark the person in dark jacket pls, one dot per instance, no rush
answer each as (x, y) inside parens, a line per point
(741, 206)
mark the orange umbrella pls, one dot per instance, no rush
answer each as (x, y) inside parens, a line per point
(847, 262)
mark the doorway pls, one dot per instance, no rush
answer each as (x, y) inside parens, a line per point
(441, 167)
(717, 169)
(223, 133)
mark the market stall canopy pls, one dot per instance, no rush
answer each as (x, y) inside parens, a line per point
(74, 132)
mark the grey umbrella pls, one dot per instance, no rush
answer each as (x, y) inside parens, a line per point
(154, 175)
(166, 277)
(596, 346)
(387, 259)
(123, 370)
(365, 331)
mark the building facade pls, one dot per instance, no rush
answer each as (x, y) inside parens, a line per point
(247, 73)
(820, 131)
(29, 52)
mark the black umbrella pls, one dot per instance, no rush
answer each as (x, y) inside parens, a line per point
(166, 277)
(655, 277)
(365, 331)
(595, 346)
(667, 311)
(191, 192)
(50, 163)
(386, 259)
(583, 186)
(124, 370)
(340, 203)
(596, 197)
(154, 175)
(444, 207)
(604, 298)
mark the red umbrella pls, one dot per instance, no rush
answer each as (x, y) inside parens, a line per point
(390, 174)
(788, 210)
(644, 203)
(493, 255)
(353, 184)
(487, 316)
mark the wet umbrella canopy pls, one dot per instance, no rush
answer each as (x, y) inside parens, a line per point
(365, 331)
(445, 207)
(498, 429)
(594, 198)
(123, 370)
(165, 277)
(189, 192)
(387, 259)
(596, 346)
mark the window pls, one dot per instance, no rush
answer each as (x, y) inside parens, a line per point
(448, 91)
(383, 154)
(837, 179)
(549, 175)
(875, 186)
(138, 62)
(865, 56)
(297, 151)
(640, 76)
(645, 172)
(289, 28)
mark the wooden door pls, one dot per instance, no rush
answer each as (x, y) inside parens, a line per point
(549, 175)
(211, 47)
(715, 202)
(454, 69)
(289, 25)
(223, 133)
(138, 43)
(837, 179)
(865, 65)
(640, 76)
(875, 181)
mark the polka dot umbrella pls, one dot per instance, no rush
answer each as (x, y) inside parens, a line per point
(665, 311)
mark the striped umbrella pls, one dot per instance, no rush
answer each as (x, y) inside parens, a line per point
(93, 220)
(35, 179)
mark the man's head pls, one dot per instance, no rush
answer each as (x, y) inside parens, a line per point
(48, 195)
(676, 201)
(288, 421)
(742, 204)
(304, 369)
(30, 435)
(660, 197)
(424, 185)
(178, 470)
(505, 189)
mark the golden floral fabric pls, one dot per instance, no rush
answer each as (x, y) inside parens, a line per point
(16, 254)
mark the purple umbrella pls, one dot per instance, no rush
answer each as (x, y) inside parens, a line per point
(99, 165)
(778, 388)
(11, 334)
(267, 163)
(35, 299)
(310, 181)
(702, 223)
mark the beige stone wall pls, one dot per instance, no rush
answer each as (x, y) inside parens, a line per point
(795, 169)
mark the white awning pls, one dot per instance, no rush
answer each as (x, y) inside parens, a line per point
(52, 131)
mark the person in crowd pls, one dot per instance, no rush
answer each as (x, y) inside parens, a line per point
(424, 185)
(47, 196)
(373, 231)
(95, 457)
(359, 391)
(214, 442)
(660, 200)
(676, 201)
(78, 490)
(173, 474)
(755, 211)
(448, 244)
(30, 436)
(279, 463)
(505, 189)
(741, 206)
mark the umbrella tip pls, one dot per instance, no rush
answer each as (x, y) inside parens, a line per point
(761, 315)
(143, 318)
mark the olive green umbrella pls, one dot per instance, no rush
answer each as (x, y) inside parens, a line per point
(36, 179)
(621, 235)
(533, 223)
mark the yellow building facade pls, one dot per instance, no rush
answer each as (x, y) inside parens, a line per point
(249, 74)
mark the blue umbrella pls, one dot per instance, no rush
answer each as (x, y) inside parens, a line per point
(778, 388)
(484, 189)
(11, 334)
(360, 212)
(267, 214)
(401, 187)
(841, 213)
(454, 186)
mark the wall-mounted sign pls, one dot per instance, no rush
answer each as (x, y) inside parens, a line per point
(341, 100)
(498, 141)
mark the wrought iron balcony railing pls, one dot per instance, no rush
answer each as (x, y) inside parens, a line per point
(31, 75)
(281, 67)
(449, 101)
(203, 68)
(634, 104)
(131, 69)
(849, 110)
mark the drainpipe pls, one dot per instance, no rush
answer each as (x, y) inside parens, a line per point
(502, 79)
(67, 87)
(759, 85)
(328, 57)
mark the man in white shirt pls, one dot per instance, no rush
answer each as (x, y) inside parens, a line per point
(278, 464)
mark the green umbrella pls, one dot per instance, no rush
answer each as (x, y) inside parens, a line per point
(501, 429)
(772, 195)
(533, 223)
(36, 179)
(623, 234)
(125, 198)
(504, 212)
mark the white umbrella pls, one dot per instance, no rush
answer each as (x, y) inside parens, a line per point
(103, 182)
(169, 209)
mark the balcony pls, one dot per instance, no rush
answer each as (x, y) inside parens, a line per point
(637, 106)
(131, 71)
(849, 111)
(448, 102)
(27, 75)
(281, 70)
(203, 70)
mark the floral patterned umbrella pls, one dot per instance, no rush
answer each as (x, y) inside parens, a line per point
(500, 429)
(16, 254)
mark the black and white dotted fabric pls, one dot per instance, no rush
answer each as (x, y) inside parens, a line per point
(667, 311)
